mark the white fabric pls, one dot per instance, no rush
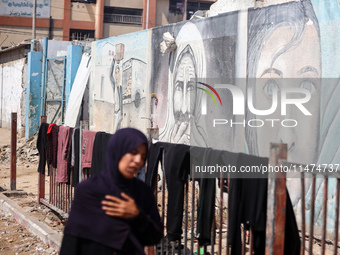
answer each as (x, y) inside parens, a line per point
(77, 91)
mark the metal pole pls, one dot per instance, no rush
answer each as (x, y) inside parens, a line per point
(43, 78)
(185, 10)
(147, 13)
(41, 176)
(2, 93)
(34, 18)
(13, 150)
(276, 203)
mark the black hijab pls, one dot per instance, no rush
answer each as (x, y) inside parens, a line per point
(88, 220)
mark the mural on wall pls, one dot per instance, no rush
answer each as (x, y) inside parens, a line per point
(119, 82)
(286, 52)
(276, 37)
(201, 53)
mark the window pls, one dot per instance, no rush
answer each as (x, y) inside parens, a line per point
(123, 15)
(84, 1)
(81, 34)
(176, 7)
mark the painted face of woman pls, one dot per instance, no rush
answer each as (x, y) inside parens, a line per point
(302, 62)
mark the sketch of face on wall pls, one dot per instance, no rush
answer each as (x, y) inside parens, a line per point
(187, 63)
(284, 42)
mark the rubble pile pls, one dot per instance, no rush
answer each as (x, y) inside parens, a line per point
(27, 151)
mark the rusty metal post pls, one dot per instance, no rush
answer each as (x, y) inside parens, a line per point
(276, 205)
(41, 177)
(13, 150)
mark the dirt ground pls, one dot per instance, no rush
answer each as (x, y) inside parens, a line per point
(14, 239)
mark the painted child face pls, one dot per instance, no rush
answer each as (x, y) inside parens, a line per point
(302, 61)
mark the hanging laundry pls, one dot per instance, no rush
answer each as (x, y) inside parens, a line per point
(99, 151)
(176, 163)
(42, 147)
(62, 145)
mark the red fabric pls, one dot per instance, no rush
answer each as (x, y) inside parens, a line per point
(49, 130)
(52, 146)
(87, 148)
(62, 163)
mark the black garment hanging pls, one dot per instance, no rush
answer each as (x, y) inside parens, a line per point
(176, 162)
(52, 146)
(42, 147)
(68, 155)
(248, 205)
(205, 157)
(99, 151)
(75, 177)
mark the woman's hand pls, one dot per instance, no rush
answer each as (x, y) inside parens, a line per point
(125, 208)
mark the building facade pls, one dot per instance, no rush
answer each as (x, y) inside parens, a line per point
(88, 19)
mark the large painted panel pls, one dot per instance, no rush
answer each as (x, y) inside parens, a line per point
(276, 75)
(119, 82)
(298, 40)
(289, 54)
(205, 50)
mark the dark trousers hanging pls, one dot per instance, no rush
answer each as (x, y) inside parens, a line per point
(176, 162)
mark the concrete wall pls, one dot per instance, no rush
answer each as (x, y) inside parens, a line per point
(13, 93)
(118, 87)
(125, 4)
(162, 13)
(274, 43)
(57, 9)
(112, 29)
(83, 12)
(21, 33)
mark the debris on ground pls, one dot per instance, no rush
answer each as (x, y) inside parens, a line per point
(27, 152)
(15, 239)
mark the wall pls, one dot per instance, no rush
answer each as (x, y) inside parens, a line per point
(162, 13)
(118, 86)
(20, 34)
(13, 95)
(125, 4)
(57, 9)
(111, 29)
(259, 52)
(83, 12)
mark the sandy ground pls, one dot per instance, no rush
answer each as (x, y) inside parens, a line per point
(14, 239)
(27, 178)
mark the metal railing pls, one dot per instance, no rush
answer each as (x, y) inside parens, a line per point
(61, 195)
(124, 19)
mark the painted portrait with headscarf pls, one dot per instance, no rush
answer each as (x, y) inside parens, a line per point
(187, 64)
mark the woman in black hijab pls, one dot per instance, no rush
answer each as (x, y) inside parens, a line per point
(113, 212)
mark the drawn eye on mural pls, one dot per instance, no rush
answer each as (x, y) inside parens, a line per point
(187, 64)
(270, 88)
(290, 29)
(276, 37)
